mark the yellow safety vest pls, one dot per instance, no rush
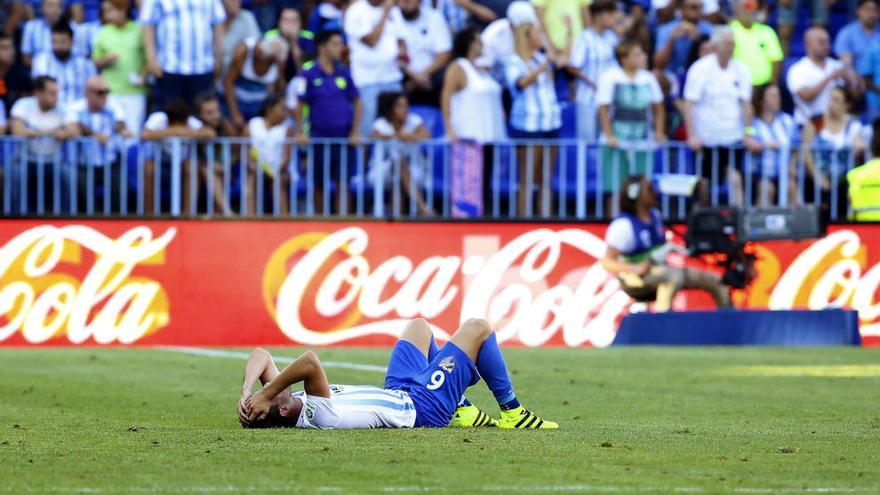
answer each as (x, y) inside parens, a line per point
(864, 191)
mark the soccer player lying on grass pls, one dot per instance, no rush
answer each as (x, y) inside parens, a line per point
(424, 386)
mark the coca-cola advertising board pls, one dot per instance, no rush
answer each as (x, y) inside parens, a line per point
(242, 283)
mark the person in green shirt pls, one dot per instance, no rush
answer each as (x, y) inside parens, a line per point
(757, 45)
(118, 52)
(562, 19)
(864, 185)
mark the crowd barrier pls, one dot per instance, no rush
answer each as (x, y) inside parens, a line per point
(228, 177)
(244, 283)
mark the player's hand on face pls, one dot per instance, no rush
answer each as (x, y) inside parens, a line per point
(257, 406)
(242, 412)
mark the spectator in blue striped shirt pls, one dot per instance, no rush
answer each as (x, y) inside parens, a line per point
(776, 131)
(535, 114)
(94, 117)
(184, 46)
(592, 54)
(71, 71)
(36, 35)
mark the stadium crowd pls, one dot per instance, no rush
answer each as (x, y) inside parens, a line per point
(711, 74)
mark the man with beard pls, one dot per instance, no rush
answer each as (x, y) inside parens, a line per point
(428, 45)
(71, 71)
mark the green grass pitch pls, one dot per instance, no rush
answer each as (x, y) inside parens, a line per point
(633, 420)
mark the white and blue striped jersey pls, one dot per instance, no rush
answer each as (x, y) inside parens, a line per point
(36, 38)
(101, 122)
(70, 74)
(781, 132)
(356, 406)
(184, 33)
(535, 107)
(592, 53)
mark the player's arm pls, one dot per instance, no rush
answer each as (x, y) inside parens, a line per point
(260, 366)
(307, 369)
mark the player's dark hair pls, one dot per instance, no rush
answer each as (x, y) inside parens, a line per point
(462, 42)
(863, 2)
(177, 111)
(627, 204)
(40, 83)
(274, 420)
(62, 27)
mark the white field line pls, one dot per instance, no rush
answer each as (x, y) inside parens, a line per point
(434, 489)
(197, 351)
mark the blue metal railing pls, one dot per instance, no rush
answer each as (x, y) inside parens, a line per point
(229, 178)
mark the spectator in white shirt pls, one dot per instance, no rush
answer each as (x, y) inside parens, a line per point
(40, 119)
(471, 103)
(428, 44)
(184, 46)
(403, 130)
(374, 42)
(630, 104)
(591, 55)
(718, 114)
(70, 70)
(813, 77)
(175, 122)
(268, 134)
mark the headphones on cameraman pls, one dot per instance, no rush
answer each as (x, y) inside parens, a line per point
(635, 186)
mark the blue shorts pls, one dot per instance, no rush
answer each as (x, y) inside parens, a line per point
(437, 387)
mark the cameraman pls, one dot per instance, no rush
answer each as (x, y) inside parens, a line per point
(637, 245)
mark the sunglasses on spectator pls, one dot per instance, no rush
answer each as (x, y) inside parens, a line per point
(101, 92)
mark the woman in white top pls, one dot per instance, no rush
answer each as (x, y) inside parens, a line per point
(775, 130)
(535, 115)
(403, 130)
(268, 135)
(471, 101)
(254, 73)
(830, 153)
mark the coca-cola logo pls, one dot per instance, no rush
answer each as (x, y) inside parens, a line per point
(43, 295)
(321, 288)
(326, 288)
(832, 272)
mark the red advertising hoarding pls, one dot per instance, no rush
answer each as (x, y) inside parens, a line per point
(242, 283)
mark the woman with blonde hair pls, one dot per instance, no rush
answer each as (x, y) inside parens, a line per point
(535, 117)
